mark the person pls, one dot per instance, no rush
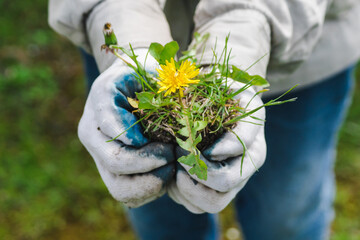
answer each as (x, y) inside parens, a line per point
(312, 43)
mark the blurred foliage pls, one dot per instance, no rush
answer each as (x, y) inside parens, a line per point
(347, 222)
(49, 186)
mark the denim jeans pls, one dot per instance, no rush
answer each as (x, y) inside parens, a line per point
(291, 196)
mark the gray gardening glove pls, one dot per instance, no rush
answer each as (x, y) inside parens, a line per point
(223, 160)
(134, 170)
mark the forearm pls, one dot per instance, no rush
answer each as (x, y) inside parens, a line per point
(249, 38)
(286, 30)
(137, 22)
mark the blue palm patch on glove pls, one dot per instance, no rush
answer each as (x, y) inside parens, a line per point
(165, 173)
(126, 86)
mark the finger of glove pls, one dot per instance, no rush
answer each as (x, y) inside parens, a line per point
(175, 195)
(225, 175)
(228, 145)
(118, 158)
(119, 80)
(128, 85)
(138, 189)
(201, 196)
(112, 109)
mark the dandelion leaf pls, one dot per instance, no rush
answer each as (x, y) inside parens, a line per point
(184, 132)
(182, 121)
(169, 51)
(189, 160)
(146, 100)
(200, 170)
(200, 125)
(155, 50)
(187, 145)
(164, 53)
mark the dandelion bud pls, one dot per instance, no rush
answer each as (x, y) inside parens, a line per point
(109, 35)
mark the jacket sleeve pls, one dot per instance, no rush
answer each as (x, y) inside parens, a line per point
(285, 30)
(66, 18)
(139, 22)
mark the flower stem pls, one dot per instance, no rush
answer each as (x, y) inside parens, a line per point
(136, 69)
(181, 102)
(119, 56)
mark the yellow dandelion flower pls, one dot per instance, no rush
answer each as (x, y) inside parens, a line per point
(172, 79)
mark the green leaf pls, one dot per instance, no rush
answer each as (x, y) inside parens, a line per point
(200, 38)
(195, 105)
(198, 139)
(197, 36)
(187, 145)
(146, 100)
(203, 164)
(169, 51)
(184, 132)
(202, 172)
(259, 81)
(200, 169)
(199, 125)
(192, 170)
(164, 53)
(189, 160)
(182, 121)
(240, 75)
(193, 134)
(155, 50)
(243, 77)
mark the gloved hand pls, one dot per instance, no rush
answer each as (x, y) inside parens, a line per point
(223, 160)
(134, 170)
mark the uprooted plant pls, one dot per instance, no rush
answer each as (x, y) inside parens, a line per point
(185, 103)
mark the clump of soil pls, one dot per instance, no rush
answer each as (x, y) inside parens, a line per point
(167, 135)
(166, 129)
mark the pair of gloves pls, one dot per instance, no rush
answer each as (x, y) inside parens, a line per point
(137, 171)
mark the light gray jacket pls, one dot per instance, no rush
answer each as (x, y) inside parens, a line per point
(305, 41)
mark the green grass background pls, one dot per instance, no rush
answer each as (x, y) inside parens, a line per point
(49, 185)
